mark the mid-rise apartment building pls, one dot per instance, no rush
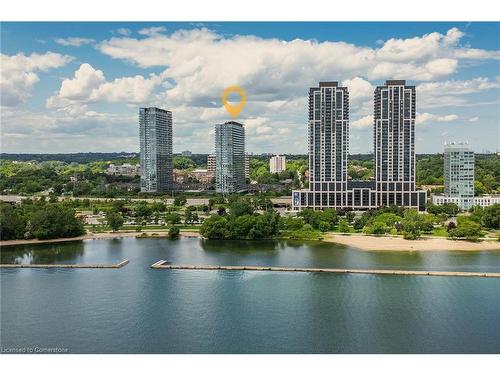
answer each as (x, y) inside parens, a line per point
(277, 164)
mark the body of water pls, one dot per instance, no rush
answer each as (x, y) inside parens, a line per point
(136, 309)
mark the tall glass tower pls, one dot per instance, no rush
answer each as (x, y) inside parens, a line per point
(459, 173)
(156, 149)
(230, 157)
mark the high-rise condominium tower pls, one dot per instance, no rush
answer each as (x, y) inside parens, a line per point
(156, 149)
(459, 173)
(230, 157)
(394, 139)
(328, 133)
(394, 144)
(328, 137)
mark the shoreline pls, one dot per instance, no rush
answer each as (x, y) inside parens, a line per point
(388, 243)
(98, 236)
(357, 241)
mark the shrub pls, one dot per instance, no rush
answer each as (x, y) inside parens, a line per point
(323, 226)
(173, 232)
(376, 228)
(344, 226)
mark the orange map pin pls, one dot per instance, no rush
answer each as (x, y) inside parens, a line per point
(234, 110)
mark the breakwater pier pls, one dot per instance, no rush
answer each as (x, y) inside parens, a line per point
(118, 265)
(163, 264)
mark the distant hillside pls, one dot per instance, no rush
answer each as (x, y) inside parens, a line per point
(81, 158)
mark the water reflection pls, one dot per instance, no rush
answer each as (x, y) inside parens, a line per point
(221, 246)
(43, 253)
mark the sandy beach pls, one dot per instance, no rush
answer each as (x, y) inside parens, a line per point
(374, 243)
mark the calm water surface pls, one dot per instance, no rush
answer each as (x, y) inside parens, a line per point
(136, 309)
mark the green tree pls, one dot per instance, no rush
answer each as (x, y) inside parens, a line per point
(55, 221)
(173, 218)
(262, 202)
(241, 206)
(375, 228)
(310, 217)
(182, 162)
(158, 207)
(180, 200)
(411, 224)
(190, 217)
(491, 216)
(350, 216)
(344, 226)
(173, 232)
(143, 212)
(12, 222)
(265, 226)
(388, 218)
(479, 188)
(195, 218)
(215, 227)
(329, 215)
(466, 228)
(324, 226)
(291, 223)
(427, 222)
(241, 226)
(115, 220)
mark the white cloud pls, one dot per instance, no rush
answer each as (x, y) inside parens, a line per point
(152, 31)
(54, 131)
(425, 117)
(364, 122)
(360, 96)
(359, 88)
(277, 73)
(457, 87)
(89, 85)
(19, 74)
(85, 81)
(198, 64)
(74, 42)
(474, 119)
(124, 31)
(202, 62)
(452, 92)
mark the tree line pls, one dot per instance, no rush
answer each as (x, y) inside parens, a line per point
(38, 219)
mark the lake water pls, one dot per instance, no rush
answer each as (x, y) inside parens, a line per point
(136, 309)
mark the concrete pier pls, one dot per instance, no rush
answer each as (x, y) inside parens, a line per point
(118, 265)
(162, 264)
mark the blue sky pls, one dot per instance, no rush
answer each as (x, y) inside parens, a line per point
(76, 87)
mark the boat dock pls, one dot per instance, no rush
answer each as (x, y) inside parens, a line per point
(162, 264)
(118, 265)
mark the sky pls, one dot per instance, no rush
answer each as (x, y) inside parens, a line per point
(77, 87)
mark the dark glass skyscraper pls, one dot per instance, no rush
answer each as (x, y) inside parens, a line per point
(156, 149)
(394, 140)
(394, 144)
(328, 135)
